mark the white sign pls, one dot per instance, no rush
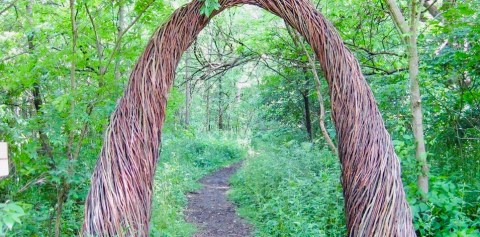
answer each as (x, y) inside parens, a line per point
(3, 159)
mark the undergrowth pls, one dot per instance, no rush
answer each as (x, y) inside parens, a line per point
(183, 161)
(294, 189)
(290, 190)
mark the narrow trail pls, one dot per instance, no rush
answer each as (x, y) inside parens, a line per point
(210, 209)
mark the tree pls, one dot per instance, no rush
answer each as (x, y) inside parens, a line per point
(409, 34)
(54, 98)
(321, 113)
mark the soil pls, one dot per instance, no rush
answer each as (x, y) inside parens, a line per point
(211, 211)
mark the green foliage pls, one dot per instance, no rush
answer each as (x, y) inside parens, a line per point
(183, 161)
(10, 214)
(209, 6)
(445, 213)
(290, 189)
(69, 119)
(287, 189)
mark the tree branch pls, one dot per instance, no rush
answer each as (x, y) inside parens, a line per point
(13, 56)
(372, 53)
(398, 17)
(98, 44)
(431, 8)
(8, 7)
(119, 40)
(383, 71)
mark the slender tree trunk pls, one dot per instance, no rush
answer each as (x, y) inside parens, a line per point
(44, 141)
(187, 103)
(228, 126)
(308, 120)
(37, 95)
(120, 29)
(102, 69)
(409, 36)
(207, 108)
(61, 196)
(187, 93)
(321, 112)
(72, 74)
(416, 99)
(220, 105)
(64, 189)
(431, 8)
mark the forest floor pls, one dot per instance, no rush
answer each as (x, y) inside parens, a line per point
(211, 211)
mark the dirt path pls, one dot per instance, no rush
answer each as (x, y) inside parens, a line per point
(210, 210)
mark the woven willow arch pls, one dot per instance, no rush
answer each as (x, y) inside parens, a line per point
(119, 200)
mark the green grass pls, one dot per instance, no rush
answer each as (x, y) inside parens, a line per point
(184, 160)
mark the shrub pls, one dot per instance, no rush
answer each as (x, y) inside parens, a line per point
(444, 211)
(293, 190)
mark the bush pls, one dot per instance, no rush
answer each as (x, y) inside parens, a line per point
(444, 211)
(293, 190)
(10, 214)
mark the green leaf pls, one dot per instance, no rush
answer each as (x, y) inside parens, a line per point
(8, 221)
(209, 6)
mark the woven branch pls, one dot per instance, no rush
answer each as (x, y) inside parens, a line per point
(119, 201)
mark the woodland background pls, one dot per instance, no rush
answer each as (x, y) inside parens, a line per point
(246, 89)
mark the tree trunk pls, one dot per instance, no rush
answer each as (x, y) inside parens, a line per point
(321, 112)
(220, 105)
(308, 120)
(431, 8)
(409, 34)
(65, 187)
(187, 93)
(207, 108)
(187, 102)
(416, 99)
(120, 29)
(73, 66)
(37, 95)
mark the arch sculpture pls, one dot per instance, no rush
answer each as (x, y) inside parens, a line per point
(119, 202)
